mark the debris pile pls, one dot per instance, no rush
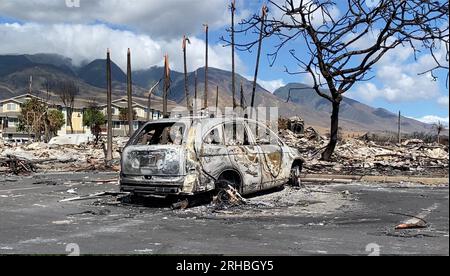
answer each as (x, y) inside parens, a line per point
(362, 157)
(294, 124)
(300, 202)
(34, 157)
(17, 165)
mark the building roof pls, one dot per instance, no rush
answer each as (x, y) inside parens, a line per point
(80, 103)
(19, 99)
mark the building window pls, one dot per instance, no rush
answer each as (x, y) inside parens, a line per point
(11, 107)
(117, 125)
(12, 122)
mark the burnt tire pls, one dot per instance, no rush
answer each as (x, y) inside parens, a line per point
(222, 184)
(224, 196)
(294, 178)
(230, 178)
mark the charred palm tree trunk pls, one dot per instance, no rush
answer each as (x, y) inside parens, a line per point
(205, 99)
(166, 85)
(108, 107)
(129, 95)
(186, 84)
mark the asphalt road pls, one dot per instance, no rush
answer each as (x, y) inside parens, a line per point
(354, 219)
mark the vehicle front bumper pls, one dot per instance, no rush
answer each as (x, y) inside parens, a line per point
(156, 185)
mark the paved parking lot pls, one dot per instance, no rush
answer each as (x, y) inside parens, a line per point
(321, 219)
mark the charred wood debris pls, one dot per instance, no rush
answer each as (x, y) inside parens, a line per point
(42, 157)
(353, 156)
(364, 156)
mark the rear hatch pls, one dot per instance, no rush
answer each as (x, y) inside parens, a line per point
(155, 160)
(155, 150)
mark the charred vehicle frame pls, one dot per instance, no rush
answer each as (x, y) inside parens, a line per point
(188, 156)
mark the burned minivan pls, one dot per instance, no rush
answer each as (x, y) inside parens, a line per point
(187, 156)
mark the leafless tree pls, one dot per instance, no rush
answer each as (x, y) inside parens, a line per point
(67, 92)
(341, 48)
(438, 127)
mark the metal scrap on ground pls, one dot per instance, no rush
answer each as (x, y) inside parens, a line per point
(94, 196)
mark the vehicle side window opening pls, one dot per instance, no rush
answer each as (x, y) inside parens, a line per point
(236, 134)
(214, 137)
(263, 135)
(160, 134)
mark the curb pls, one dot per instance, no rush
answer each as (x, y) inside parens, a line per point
(346, 179)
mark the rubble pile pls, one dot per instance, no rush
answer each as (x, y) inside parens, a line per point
(361, 157)
(45, 157)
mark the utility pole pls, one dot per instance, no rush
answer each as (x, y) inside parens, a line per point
(108, 107)
(399, 127)
(233, 76)
(217, 98)
(439, 130)
(186, 85)
(242, 100)
(30, 88)
(195, 91)
(263, 16)
(166, 85)
(205, 99)
(130, 95)
(149, 103)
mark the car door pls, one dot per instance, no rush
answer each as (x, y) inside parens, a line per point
(271, 155)
(214, 153)
(244, 155)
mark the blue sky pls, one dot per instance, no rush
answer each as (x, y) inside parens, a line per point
(155, 27)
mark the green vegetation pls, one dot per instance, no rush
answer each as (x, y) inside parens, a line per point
(36, 118)
(94, 119)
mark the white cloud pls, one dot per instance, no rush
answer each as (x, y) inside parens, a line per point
(269, 85)
(398, 74)
(432, 119)
(398, 79)
(397, 86)
(158, 18)
(318, 17)
(272, 85)
(88, 42)
(443, 101)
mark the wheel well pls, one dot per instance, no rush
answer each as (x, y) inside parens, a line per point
(297, 162)
(231, 176)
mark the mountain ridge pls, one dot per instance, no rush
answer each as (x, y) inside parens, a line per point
(91, 78)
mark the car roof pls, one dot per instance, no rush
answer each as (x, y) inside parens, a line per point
(207, 122)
